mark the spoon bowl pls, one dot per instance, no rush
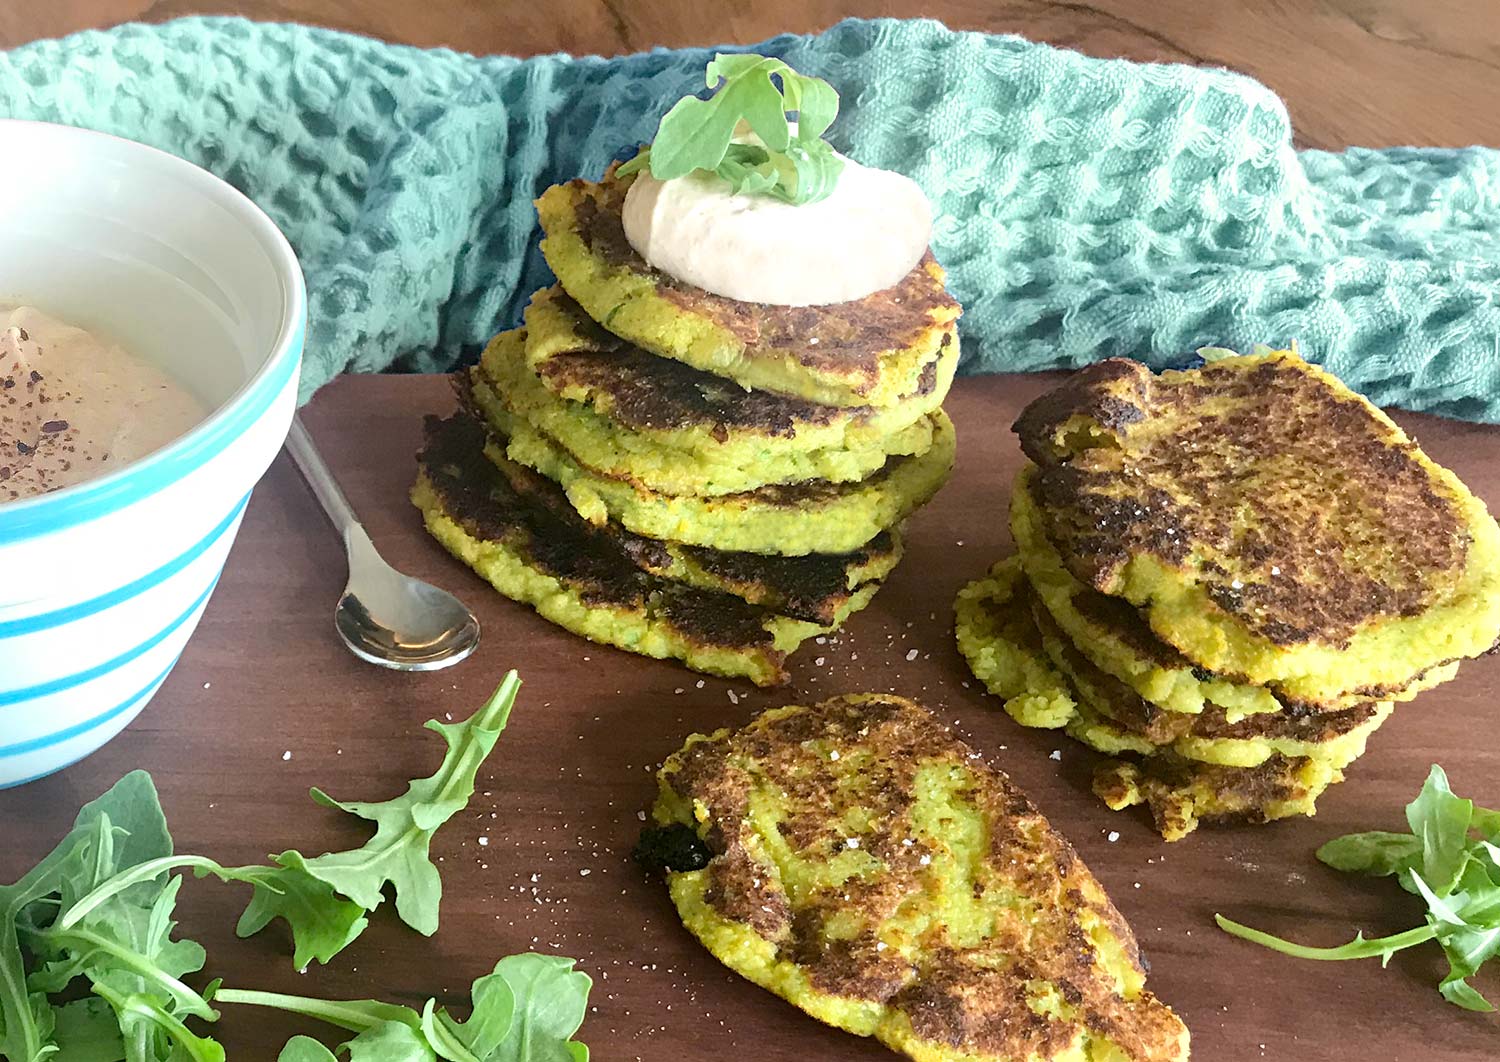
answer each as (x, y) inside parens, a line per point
(415, 627)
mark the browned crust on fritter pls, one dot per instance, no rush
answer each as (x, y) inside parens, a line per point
(1129, 710)
(811, 587)
(649, 393)
(1352, 526)
(481, 501)
(973, 999)
(1125, 622)
(844, 339)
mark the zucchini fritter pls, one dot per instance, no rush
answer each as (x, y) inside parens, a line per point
(656, 403)
(1182, 793)
(870, 352)
(791, 519)
(690, 459)
(865, 865)
(1269, 523)
(590, 580)
(1020, 655)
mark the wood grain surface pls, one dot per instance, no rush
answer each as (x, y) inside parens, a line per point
(1370, 72)
(266, 703)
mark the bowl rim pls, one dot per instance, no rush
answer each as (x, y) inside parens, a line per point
(96, 498)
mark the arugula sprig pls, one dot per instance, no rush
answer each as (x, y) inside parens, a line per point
(1451, 858)
(696, 134)
(123, 949)
(325, 899)
(99, 910)
(527, 1010)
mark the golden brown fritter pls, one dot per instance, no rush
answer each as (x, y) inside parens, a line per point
(859, 860)
(1270, 523)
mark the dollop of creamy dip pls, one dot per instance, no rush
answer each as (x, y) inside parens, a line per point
(864, 237)
(74, 407)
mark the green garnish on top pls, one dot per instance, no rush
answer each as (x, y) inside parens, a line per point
(796, 166)
(1451, 858)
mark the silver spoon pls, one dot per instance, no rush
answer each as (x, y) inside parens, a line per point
(384, 617)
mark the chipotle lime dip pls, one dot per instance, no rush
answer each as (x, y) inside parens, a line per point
(74, 406)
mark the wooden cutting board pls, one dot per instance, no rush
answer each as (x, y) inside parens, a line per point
(266, 703)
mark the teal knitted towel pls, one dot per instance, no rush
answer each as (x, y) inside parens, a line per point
(1086, 207)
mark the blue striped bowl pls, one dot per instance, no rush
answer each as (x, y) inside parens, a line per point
(101, 584)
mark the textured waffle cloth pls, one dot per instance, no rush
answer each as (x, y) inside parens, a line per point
(1086, 207)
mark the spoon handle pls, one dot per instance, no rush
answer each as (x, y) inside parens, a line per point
(320, 478)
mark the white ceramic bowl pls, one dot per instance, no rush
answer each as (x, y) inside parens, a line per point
(102, 583)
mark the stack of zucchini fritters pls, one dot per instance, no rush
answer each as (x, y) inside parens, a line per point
(682, 475)
(1226, 577)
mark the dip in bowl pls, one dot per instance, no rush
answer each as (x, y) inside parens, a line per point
(103, 580)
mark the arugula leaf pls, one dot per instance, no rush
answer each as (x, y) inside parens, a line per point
(26, 1018)
(88, 1031)
(1376, 853)
(1361, 947)
(309, 894)
(527, 1010)
(127, 946)
(1487, 822)
(100, 909)
(351, 1015)
(305, 1049)
(390, 1041)
(398, 853)
(494, 1012)
(552, 998)
(123, 948)
(1441, 821)
(1456, 874)
(322, 922)
(698, 135)
(153, 1033)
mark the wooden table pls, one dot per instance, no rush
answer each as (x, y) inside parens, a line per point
(266, 703)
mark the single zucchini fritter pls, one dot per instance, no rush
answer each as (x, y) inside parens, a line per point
(586, 579)
(1114, 719)
(1269, 523)
(713, 436)
(870, 352)
(861, 862)
(1271, 764)
(817, 587)
(1115, 638)
(648, 458)
(787, 519)
(1182, 793)
(1018, 652)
